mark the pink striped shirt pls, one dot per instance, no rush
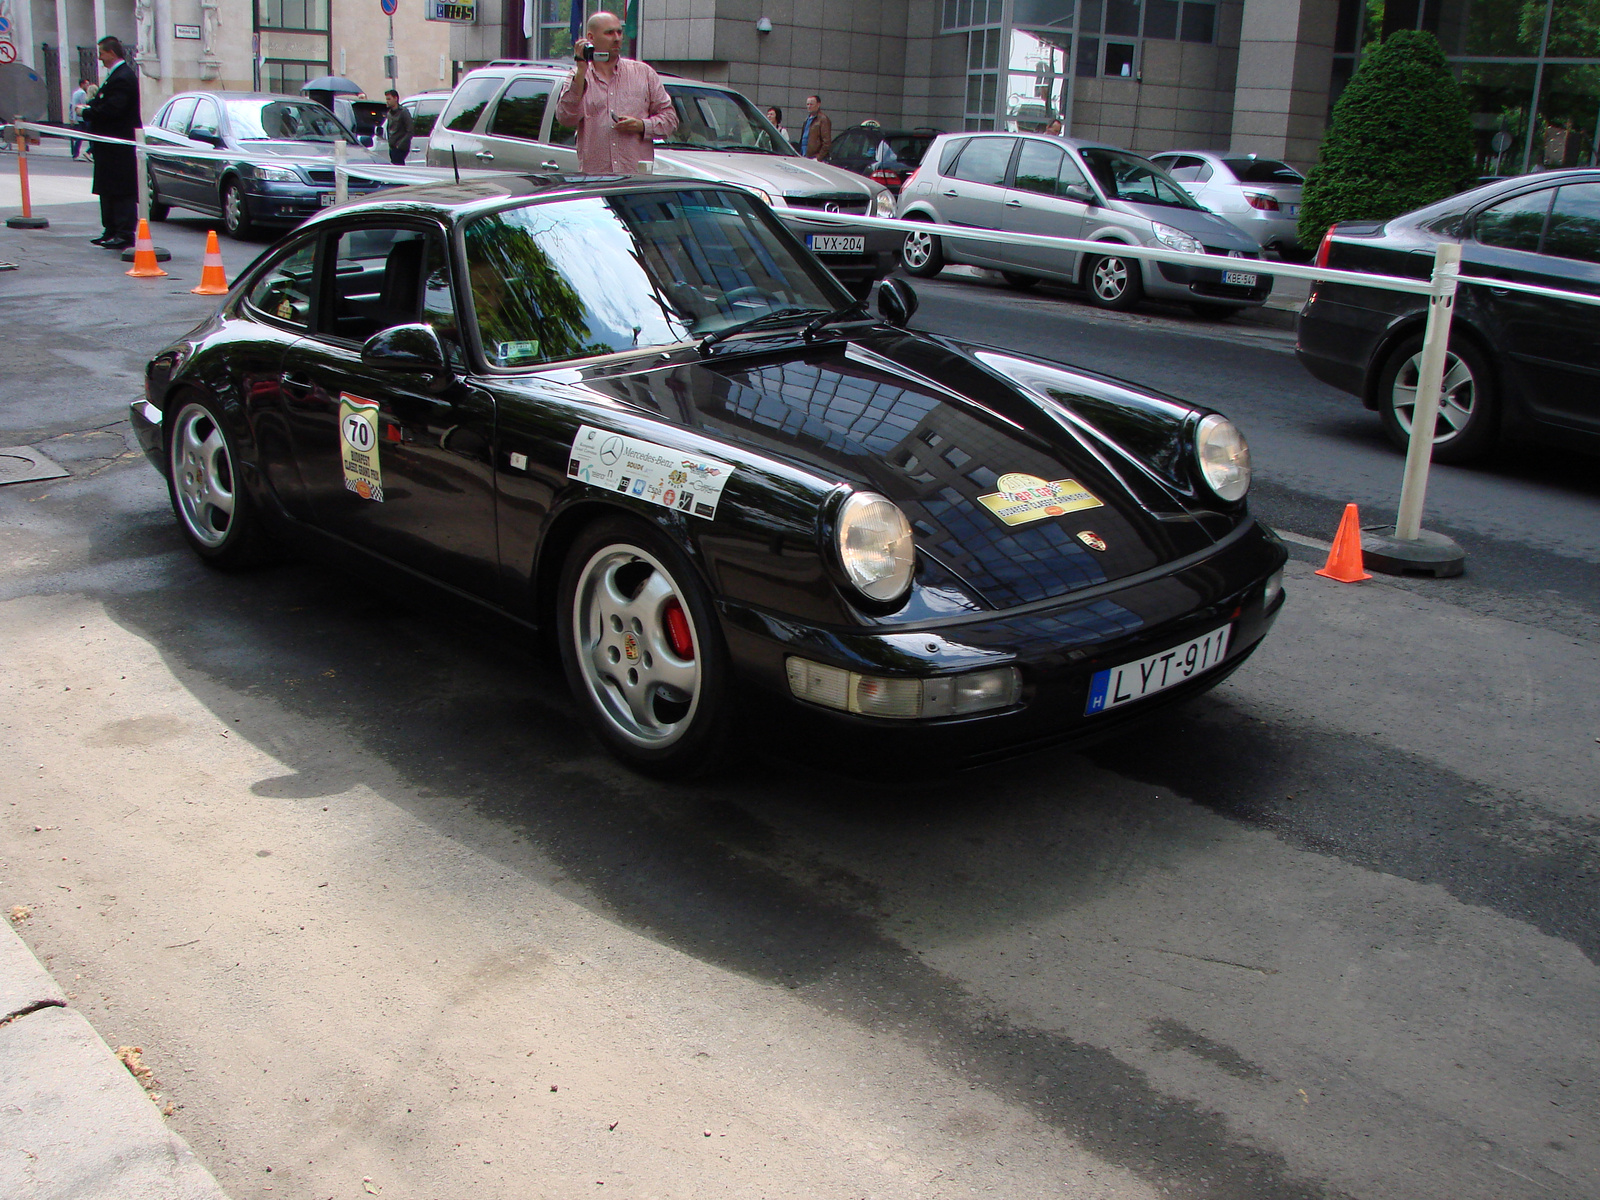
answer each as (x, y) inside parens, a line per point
(634, 90)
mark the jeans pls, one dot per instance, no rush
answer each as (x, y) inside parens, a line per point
(75, 141)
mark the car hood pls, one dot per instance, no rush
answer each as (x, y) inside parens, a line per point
(776, 174)
(1211, 229)
(296, 149)
(923, 423)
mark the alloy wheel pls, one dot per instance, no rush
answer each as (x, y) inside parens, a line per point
(1110, 279)
(918, 249)
(203, 476)
(1456, 396)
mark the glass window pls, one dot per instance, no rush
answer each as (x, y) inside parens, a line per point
(1199, 21)
(985, 160)
(1161, 19)
(285, 76)
(1071, 179)
(438, 303)
(467, 105)
(284, 289)
(598, 275)
(423, 114)
(1038, 167)
(1515, 224)
(205, 120)
(1127, 177)
(1122, 17)
(947, 156)
(377, 281)
(1262, 170)
(1089, 17)
(709, 118)
(1088, 57)
(292, 120)
(293, 14)
(1574, 230)
(1042, 14)
(1119, 59)
(1185, 168)
(520, 112)
(176, 118)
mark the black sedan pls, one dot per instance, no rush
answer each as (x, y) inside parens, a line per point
(638, 415)
(1519, 365)
(249, 190)
(886, 156)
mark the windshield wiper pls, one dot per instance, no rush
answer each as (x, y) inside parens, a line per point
(766, 318)
(854, 308)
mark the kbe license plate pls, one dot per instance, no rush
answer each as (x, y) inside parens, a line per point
(1239, 278)
(836, 243)
(1135, 680)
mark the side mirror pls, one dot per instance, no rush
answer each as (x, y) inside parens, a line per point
(1081, 195)
(407, 348)
(897, 303)
(206, 136)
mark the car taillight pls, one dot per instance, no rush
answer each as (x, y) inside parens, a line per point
(1322, 250)
(911, 178)
(886, 177)
(1263, 202)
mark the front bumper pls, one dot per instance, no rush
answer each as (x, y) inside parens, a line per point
(1172, 282)
(1058, 648)
(146, 421)
(272, 203)
(878, 259)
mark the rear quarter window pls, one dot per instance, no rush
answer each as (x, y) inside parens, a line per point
(947, 156)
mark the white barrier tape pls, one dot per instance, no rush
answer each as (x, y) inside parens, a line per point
(157, 148)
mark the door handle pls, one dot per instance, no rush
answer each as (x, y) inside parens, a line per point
(1501, 291)
(290, 379)
(952, 192)
(1013, 203)
(484, 155)
(549, 166)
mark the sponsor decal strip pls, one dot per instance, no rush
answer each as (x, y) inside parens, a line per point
(1024, 498)
(358, 446)
(658, 474)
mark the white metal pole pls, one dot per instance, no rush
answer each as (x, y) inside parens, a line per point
(341, 178)
(1430, 382)
(140, 169)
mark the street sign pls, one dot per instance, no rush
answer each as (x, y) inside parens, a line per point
(390, 7)
(457, 12)
(8, 52)
(1501, 142)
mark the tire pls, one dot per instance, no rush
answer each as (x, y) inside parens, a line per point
(1212, 312)
(158, 211)
(1468, 406)
(1295, 254)
(1113, 282)
(922, 254)
(236, 211)
(660, 712)
(214, 510)
(1019, 281)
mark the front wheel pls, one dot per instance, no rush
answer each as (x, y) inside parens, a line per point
(922, 254)
(1114, 282)
(642, 651)
(213, 508)
(1465, 427)
(158, 209)
(235, 211)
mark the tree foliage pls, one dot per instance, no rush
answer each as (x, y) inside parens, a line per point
(1400, 138)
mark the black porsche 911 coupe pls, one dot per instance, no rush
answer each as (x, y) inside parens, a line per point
(637, 415)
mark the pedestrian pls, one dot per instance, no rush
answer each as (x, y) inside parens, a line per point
(80, 97)
(114, 112)
(397, 128)
(816, 135)
(775, 115)
(616, 104)
(1054, 126)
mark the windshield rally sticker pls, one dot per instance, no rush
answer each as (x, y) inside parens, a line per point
(647, 471)
(1024, 498)
(358, 443)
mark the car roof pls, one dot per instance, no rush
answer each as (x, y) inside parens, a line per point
(565, 65)
(1075, 143)
(251, 96)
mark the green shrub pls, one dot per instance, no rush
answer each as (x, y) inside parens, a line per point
(1400, 138)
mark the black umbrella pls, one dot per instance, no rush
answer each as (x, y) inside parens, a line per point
(336, 84)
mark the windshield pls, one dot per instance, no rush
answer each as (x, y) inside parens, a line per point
(1126, 177)
(1262, 170)
(715, 120)
(573, 278)
(289, 120)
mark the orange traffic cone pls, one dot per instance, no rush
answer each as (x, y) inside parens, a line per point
(213, 279)
(1344, 560)
(144, 255)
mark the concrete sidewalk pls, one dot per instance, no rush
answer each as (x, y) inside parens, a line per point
(74, 1123)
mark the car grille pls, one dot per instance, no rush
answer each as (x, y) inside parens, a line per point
(320, 177)
(1231, 253)
(846, 202)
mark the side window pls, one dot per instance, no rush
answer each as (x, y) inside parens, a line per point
(562, 135)
(423, 114)
(205, 121)
(850, 145)
(176, 118)
(1203, 175)
(284, 289)
(1574, 230)
(985, 160)
(520, 112)
(1515, 224)
(377, 281)
(438, 302)
(1038, 167)
(467, 105)
(947, 156)
(1071, 179)
(1185, 168)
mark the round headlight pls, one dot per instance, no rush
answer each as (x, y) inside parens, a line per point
(1224, 457)
(875, 546)
(885, 203)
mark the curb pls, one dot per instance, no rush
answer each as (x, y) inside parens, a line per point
(75, 1123)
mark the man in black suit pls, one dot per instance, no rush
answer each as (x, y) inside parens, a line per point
(114, 112)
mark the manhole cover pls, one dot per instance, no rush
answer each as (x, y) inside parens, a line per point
(24, 464)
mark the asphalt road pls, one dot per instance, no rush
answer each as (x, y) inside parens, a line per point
(345, 866)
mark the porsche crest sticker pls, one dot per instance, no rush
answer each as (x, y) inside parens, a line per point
(1024, 498)
(647, 471)
(1092, 540)
(358, 446)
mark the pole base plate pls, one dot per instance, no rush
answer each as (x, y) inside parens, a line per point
(27, 223)
(1431, 554)
(162, 254)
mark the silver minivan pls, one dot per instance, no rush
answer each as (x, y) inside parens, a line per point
(503, 116)
(1067, 187)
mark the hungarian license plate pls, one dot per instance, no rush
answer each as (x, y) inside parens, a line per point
(1239, 278)
(1291, 210)
(325, 199)
(836, 243)
(1147, 676)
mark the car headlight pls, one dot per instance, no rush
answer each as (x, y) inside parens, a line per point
(884, 204)
(1224, 457)
(277, 174)
(875, 546)
(771, 200)
(1177, 239)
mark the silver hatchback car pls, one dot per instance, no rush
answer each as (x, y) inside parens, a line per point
(1257, 196)
(1067, 187)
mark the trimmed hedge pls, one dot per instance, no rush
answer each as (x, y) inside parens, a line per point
(1400, 138)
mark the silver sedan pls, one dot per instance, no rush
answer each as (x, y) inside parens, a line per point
(1258, 196)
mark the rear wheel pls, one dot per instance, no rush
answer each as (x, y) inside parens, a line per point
(1114, 282)
(642, 650)
(922, 254)
(213, 508)
(236, 211)
(1465, 428)
(157, 209)
(1018, 280)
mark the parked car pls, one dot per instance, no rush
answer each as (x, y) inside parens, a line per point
(1258, 196)
(504, 115)
(424, 108)
(1518, 365)
(886, 156)
(364, 118)
(243, 191)
(1066, 187)
(638, 414)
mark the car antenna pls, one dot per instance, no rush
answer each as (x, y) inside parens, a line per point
(454, 166)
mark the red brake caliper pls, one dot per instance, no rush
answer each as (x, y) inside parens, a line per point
(678, 635)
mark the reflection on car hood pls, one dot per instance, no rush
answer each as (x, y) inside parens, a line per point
(296, 149)
(1211, 229)
(934, 437)
(782, 175)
